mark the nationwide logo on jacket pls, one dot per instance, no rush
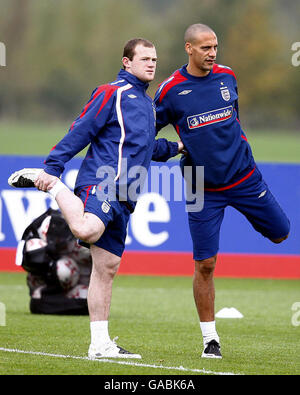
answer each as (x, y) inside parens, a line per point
(209, 117)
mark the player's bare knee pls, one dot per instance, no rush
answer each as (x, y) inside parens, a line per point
(90, 237)
(108, 268)
(113, 267)
(206, 266)
(85, 234)
(279, 240)
(76, 231)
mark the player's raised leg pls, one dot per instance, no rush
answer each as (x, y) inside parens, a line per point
(84, 226)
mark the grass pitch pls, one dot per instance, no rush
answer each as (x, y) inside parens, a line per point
(38, 139)
(156, 317)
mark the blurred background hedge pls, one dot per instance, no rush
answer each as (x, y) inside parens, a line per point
(58, 51)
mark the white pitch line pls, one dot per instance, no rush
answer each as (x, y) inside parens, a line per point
(143, 365)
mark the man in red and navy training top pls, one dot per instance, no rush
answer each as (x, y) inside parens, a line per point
(200, 100)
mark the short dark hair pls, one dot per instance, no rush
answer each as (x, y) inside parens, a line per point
(191, 31)
(129, 48)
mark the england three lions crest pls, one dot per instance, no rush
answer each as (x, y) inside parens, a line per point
(225, 93)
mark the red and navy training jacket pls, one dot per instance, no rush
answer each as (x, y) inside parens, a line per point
(204, 112)
(117, 123)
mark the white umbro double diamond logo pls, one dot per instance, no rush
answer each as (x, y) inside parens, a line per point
(262, 194)
(132, 96)
(185, 92)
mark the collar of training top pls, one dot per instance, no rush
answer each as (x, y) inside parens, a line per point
(132, 79)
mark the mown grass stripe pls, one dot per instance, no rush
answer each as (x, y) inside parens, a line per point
(144, 365)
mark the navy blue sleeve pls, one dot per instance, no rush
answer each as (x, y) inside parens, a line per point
(236, 103)
(164, 150)
(90, 122)
(163, 112)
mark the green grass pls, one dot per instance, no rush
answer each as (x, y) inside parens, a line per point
(38, 139)
(268, 146)
(155, 316)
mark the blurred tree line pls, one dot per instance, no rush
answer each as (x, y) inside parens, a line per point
(58, 51)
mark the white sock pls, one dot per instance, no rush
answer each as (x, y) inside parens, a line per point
(99, 332)
(209, 332)
(59, 185)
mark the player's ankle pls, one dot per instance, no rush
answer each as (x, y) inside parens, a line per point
(209, 332)
(58, 186)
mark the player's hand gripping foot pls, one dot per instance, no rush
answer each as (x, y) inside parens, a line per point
(110, 350)
(24, 178)
(212, 350)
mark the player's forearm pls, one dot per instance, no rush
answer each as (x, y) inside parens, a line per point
(164, 150)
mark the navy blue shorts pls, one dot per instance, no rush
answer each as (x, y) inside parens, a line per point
(252, 198)
(113, 214)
